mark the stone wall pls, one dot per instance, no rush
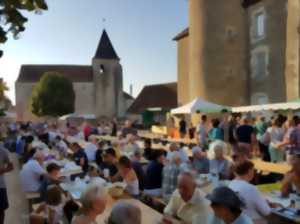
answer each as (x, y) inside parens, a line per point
(84, 98)
(271, 83)
(218, 51)
(183, 71)
(84, 102)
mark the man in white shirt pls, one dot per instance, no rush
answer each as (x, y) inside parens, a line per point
(257, 207)
(202, 131)
(32, 173)
(91, 149)
(188, 203)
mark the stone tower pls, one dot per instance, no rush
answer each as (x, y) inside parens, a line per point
(108, 80)
(218, 51)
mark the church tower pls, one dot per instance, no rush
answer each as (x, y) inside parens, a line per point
(108, 80)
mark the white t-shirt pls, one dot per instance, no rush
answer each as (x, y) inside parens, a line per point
(90, 151)
(276, 135)
(256, 205)
(30, 176)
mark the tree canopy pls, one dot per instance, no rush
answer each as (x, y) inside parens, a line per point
(12, 19)
(53, 96)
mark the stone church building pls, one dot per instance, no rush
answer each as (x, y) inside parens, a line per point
(240, 52)
(98, 87)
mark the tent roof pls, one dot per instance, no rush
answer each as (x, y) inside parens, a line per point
(274, 106)
(199, 105)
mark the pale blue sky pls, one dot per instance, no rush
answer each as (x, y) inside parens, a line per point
(140, 30)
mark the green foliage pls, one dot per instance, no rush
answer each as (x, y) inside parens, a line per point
(53, 96)
(11, 18)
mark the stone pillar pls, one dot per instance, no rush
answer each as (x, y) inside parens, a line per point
(197, 18)
(292, 50)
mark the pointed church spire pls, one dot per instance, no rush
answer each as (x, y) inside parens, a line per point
(105, 48)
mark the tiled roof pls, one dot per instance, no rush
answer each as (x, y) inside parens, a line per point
(105, 48)
(155, 96)
(75, 73)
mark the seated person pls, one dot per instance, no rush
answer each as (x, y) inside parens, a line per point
(93, 200)
(129, 176)
(219, 164)
(61, 145)
(131, 144)
(99, 152)
(32, 173)
(174, 148)
(148, 151)
(80, 157)
(188, 203)
(200, 161)
(227, 206)
(91, 149)
(109, 163)
(257, 207)
(170, 175)
(51, 211)
(52, 178)
(125, 213)
(138, 168)
(154, 174)
(291, 181)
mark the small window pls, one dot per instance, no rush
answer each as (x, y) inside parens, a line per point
(260, 25)
(259, 65)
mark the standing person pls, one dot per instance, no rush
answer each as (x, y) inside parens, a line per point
(232, 130)
(128, 129)
(91, 149)
(87, 129)
(224, 125)
(182, 128)
(216, 133)
(275, 134)
(202, 131)
(114, 128)
(246, 138)
(261, 127)
(5, 167)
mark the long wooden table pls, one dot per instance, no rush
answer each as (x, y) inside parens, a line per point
(281, 168)
(149, 215)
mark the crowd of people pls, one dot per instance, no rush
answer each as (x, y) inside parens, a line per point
(223, 153)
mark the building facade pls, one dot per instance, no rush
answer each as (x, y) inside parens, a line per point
(98, 87)
(240, 52)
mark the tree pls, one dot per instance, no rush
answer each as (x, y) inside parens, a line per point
(11, 18)
(5, 102)
(53, 96)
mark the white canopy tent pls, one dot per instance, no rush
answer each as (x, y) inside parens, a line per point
(83, 116)
(267, 107)
(199, 105)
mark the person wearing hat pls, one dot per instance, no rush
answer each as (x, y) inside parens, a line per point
(227, 206)
(200, 161)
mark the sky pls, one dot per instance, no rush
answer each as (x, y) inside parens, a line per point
(68, 33)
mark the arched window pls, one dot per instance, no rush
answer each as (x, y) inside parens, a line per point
(101, 69)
